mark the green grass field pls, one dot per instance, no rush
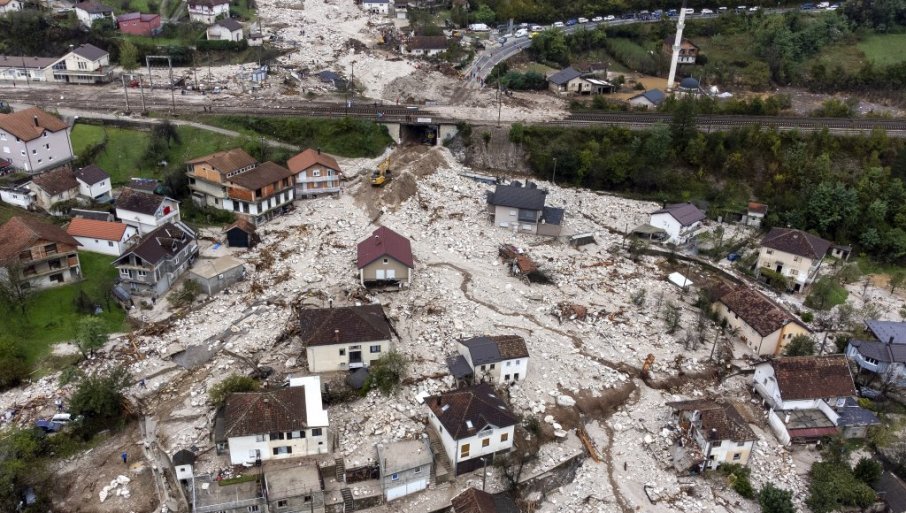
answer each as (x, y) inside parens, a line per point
(121, 6)
(52, 316)
(884, 49)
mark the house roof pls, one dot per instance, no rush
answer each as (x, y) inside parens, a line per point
(756, 310)
(385, 241)
(690, 83)
(473, 500)
(851, 414)
(405, 455)
(458, 366)
(143, 184)
(495, 349)
(229, 24)
(428, 42)
(210, 267)
(209, 3)
(56, 182)
(564, 76)
(89, 51)
(129, 16)
(345, 324)
(757, 208)
(97, 215)
(655, 96)
(796, 242)
(29, 124)
(91, 174)
(476, 406)
(669, 40)
(686, 214)
(93, 7)
(515, 195)
(888, 331)
(718, 421)
(18, 61)
(184, 457)
(20, 233)
(138, 201)
(226, 161)
(810, 377)
(164, 242)
(102, 230)
(892, 490)
(253, 413)
(242, 224)
(310, 157)
(880, 351)
(263, 174)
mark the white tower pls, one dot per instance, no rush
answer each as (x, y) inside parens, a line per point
(677, 43)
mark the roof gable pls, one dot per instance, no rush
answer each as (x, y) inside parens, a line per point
(813, 377)
(345, 324)
(796, 242)
(515, 195)
(686, 214)
(29, 124)
(466, 412)
(309, 158)
(20, 233)
(756, 310)
(253, 413)
(385, 241)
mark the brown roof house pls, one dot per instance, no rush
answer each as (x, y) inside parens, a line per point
(385, 257)
(473, 500)
(688, 52)
(157, 260)
(809, 397)
(316, 173)
(43, 254)
(54, 187)
(500, 359)
(427, 46)
(343, 338)
(289, 422)
(242, 234)
(710, 433)
(473, 424)
(208, 175)
(103, 237)
(764, 326)
(794, 254)
(145, 211)
(34, 141)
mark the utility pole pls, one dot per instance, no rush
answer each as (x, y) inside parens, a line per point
(554, 176)
(499, 98)
(141, 88)
(172, 86)
(125, 93)
(27, 81)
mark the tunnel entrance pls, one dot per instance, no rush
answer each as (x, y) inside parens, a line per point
(419, 134)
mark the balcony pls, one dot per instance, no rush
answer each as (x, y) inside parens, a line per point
(316, 179)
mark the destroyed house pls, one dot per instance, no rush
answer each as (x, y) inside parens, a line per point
(344, 338)
(473, 425)
(793, 254)
(385, 257)
(293, 487)
(522, 209)
(765, 327)
(209, 495)
(501, 359)
(145, 211)
(710, 434)
(473, 500)
(316, 172)
(43, 254)
(885, 355)
(154, 264)
(289, 422)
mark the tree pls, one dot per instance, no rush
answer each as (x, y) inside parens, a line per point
(896, 280)
(15, 290)
(128, 55)
(550, 46)
(671, 317)
(833, 484)
(91, 334)
(99, 398)
(868, 471)
(801, 345)
(387, 372)
(825, 294)
(13, 363)
(775, 500)
(234, 383)
(682, 126)
(484, 14)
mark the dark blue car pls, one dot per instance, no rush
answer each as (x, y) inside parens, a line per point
(570, 23)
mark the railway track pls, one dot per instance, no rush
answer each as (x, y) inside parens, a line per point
(643, 118)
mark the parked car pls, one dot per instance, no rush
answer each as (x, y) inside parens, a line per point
(722, 9)
(754, 8)
(571, 22)
(583, 20)
(689, 11)
(522, 33)
(833, 7)
(48, 426)
(536, 28)
(597, 19)
(807, 6)
(610, 17)
(740, 8)
(824, 5)
(558, 24)
(707, 12)
(672, 13)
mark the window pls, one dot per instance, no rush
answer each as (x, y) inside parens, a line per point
(740, 444)
(769, 252)
(508, 363)
(316, 432)
(394, 477)
(282, 503)
(316, 172)
(34, 151)
(253, 508)
(504, 437)
(386, 261)
(110, 243)
(516, 376)
(58, 278)
(375, 349)
(418, 470)
(464, 451)
(83, 65)
(482, 367)
(797, 259)
(296, 434)
(486, 442)
(493, 365)
(342, 352)
(46, 146)
(506, 377)
(142, 274)
(283, 450)
(277, 436)
(737, 456)
(261, 438)
(124, 272)
(517, 362)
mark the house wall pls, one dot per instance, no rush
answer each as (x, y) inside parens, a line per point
(889, 372)
(242, 447)
(376, 8)
(668, 223)
(779, 428)
(578, 85)
(218, 33)
(183, 472)
(454, 448)
(14, 5)
(771, 344)
(49, 150)
(302, 501)
(215, 284)
(99, 191)
(511, 368)
(209, 194)
(766, 384)
(148, 223)
(33, 74)
(88, 18)
(327, 358)
(259, 210)
(551, 230)
(206, 14)
(157, 279)
(369, 272)
(326, 181)
(44, 270)
(800, 269)
(726, 451)
(108, 247)
(641, 101)
(506, 217)
(76, 62)
(45, 200)
(21, 199)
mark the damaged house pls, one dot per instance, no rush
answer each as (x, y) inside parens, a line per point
(765, 327)
(405, 467)
(385, 257)
(501, 359)
(344, 338)
(473, 500)
(146, 212)
(43, 254)
(522, 210)
(158, 260)
(473, 424)
(883, 356)
(710, 433)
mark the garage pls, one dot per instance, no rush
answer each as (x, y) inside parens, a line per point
(407, 488)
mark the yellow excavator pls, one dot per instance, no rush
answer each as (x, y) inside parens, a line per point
(383, 175)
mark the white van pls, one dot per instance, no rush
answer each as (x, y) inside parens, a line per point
(521, 32)
(537, 28)
(558, 24)
(689, 11)
(479, 27)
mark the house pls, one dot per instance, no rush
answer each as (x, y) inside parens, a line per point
(569, 80)
(385, 257)
(650, 99)
(208, 175)
(226, 29)
(688, 52)
(755, 213)
(146, 212)
(501, 359)
(242, 234)
(94, 183)
(710, 433)
(345, 337)
(85, 64)
(139, 24)
(261, 193)
(216, 274)
(793, 254)
(275, 424)
(473, 500)
(149, 185)
(43, 254)
(473, 424)
(292, 486)
(376, 6)
(401, 9)
(427, 46)
(90, 12)
(892, 490)
(883, 356)
(25, 69)
(841, 251)
(522, 210)
(405, 467)
(152, 265)
(807, 397)
(18, 195)
(680, 221)
(34, 141)
(209, 495)
(54, 187)
(7, 6)
(183, 461)
(316, 173)
(97, 215)
(102, 236)
(208, 11)
(765, 327)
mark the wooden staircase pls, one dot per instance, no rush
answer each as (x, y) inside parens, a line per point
(348, 503)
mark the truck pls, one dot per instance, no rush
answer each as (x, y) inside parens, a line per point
(479, 27)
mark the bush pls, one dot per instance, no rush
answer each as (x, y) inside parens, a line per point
(13, 364)
(801, 345)
(99, 398)
(868, 471)
(825, 294)
(808, 317)
(205, 45)
(775, 500)
(387, 373)
(833, 485)
(219, 393)
(738, 477)
(186, 295)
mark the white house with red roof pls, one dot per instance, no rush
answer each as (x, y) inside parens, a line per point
(385, 258)
(102, 236)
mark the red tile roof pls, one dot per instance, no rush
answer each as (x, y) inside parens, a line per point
(473, 500)
(756, 310)
(93, 229)
(812, 377)
(21, 233)
(255, 413)
(385, 241)
(30, 123)
(56, 182)
(310, 157)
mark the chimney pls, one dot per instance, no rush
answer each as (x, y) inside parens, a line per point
(36, 121)
(330, 302)
(336, 336)
(319, 151)
(891, 340)
(786, 419)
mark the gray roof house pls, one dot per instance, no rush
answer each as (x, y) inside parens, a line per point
(216, 274)
(405, 467)
(892, 490)
(649, 99)
(570, 80)
(680, 221)
(156, 262)
(885, 355)
(522, 209)
(502, 359)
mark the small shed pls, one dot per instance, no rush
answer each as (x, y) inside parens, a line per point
(182, 462)
(214, 275)
(242, 234)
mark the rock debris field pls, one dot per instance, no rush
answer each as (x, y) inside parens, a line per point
(581, 371)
